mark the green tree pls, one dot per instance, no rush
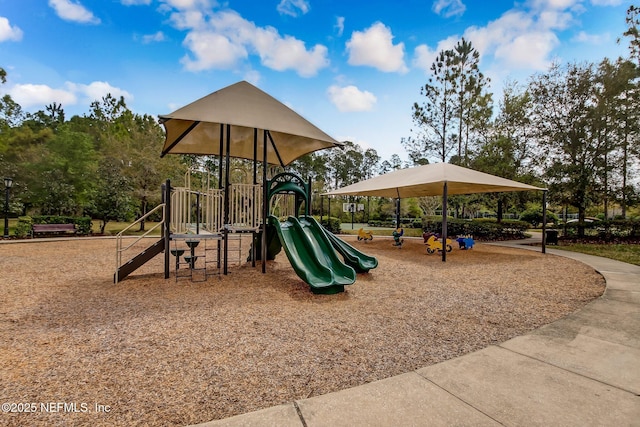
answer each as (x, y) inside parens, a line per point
(472, 103)
(346, 165)
(434, 116)
(66, 173)
(612, 115)
(632, 33)
(135, 141)
(562, 105)
(455, 109)
(112, 200)
(371, 163)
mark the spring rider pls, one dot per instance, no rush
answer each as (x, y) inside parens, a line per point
(365, 235)
(465, 243)
(397, 237)
(433, 245)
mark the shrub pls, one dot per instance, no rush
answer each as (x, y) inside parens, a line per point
(485, 229)
(534, 217)
(23, 229)
(332, 224)
(607, 231)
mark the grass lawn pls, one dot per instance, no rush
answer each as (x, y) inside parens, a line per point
(114, 228)
(626, 253)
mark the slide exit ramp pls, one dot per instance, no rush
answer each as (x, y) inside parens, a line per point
(354, 258)
(312, 256)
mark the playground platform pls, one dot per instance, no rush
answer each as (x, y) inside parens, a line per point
(582, 370)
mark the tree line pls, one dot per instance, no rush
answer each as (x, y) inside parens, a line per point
(573, 129)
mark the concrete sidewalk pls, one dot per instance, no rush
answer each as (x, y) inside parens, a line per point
(583, 370)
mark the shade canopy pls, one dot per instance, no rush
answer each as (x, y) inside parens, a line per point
(198, 128)
(438, 179)
(428, 180)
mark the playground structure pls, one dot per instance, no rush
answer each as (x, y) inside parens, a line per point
(203, 243)
(242, 122)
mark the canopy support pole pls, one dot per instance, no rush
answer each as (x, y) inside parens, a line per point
(275, 149)
(166, 227)
(265, 202)
(254, 208)
(398, 209)
(220, 157)
(227, 187)
(544, 222)
(444, 222)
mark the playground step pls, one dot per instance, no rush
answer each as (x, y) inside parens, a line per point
(136, 262)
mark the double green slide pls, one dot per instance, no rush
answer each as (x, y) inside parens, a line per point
(312, 253)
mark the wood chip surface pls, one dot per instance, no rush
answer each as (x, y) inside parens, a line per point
(152, 351)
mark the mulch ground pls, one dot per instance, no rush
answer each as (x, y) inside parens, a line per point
(159, 352)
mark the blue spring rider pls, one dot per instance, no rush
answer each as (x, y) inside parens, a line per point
(465, 242)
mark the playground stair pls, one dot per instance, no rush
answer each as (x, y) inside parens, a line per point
(136, 262)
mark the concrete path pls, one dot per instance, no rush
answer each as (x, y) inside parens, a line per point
(583, 370)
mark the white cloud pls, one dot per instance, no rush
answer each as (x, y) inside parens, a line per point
(253, 77)
(339, 26)
(529, 50)
(73, 11)
(30, 95)
(554, 19)
(552, 4)
(135, 2)
(522, 39)
(211, 50)
(293, 7)
(34, 95)
(449, 8)
(156, 37)
(7, 32)
(283, 53)
(593, 39)
(350, 98)
(374, 47)
(189, 4)
(423, 57)
(221, 40)
(96, 90)
(607, 2)
(189, 20)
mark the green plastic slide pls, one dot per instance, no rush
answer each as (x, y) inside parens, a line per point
(359, 261)
(312, 256)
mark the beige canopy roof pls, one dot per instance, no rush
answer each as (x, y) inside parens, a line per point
(438, 179)
(428, 180)
(196, 128)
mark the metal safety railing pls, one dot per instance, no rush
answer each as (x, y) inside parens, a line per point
(119, 237)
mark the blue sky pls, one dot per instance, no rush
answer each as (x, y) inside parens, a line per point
(352, 67)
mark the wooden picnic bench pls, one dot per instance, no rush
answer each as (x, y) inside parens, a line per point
(52, 229)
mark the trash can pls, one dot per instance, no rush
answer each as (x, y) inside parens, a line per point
(552, 237)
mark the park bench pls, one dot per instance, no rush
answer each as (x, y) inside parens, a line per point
(52, 229)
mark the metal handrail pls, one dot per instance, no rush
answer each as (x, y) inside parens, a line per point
(120, 249)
